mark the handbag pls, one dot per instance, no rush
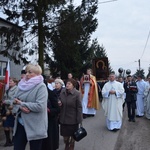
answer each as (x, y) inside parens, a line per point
(80, 133)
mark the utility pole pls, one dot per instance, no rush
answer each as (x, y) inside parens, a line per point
(139, 64)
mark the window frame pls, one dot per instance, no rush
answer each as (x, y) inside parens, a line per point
(3, 65)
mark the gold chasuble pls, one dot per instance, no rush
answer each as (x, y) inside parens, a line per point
(93, 98)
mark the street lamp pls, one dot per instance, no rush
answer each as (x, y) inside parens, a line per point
(139, 64)
(128, 71)
(121, 70)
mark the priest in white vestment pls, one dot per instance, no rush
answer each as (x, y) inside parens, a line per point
(147, 99)
(90, 101)
(113, 99)
(141, 86)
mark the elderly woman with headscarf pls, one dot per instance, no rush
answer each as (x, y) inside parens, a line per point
(52, 141)
(58, 86)
(30, 105)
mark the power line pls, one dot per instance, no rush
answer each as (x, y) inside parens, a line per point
(145, 44)
(107, 1)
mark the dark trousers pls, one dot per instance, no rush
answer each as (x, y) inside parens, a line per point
(123, 105)
(20, 140)
(131, 106)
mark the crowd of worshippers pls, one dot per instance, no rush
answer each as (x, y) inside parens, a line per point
(137, 96)
(38, 112)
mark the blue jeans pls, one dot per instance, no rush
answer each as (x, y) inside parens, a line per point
(20, 140)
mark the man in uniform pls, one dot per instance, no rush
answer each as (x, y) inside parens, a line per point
(130, 90)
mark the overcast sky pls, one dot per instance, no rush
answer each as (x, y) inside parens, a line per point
(123, 29)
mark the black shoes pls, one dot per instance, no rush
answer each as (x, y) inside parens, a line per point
(90, 115)
(138, 116)
(87, 115)
(130, 120)
(115, 130)
(133, 120)
(8, 144)
(84, 116)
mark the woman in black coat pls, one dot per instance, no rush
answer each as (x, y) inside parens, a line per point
(52, 141)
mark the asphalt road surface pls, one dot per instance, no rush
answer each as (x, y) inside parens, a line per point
(132, 136)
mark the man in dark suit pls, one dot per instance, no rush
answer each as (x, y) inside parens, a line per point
(130, 90)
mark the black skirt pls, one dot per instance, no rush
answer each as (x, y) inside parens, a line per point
(9, 122)
(68, 130)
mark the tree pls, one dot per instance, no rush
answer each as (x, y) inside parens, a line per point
(70, 41)
(61, 33)
(148, 75)
(37, 17)
(140, 72)
(11, 40)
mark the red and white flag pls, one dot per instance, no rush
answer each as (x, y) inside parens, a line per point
(7, 76)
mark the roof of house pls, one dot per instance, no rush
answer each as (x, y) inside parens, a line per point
(10, 23)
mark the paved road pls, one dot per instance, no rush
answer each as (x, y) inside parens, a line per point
(98, 138)
(132, 136)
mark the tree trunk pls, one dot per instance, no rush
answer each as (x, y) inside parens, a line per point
(40, 35)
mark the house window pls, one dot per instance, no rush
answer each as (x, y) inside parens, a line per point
(2, 68)
(1, 40)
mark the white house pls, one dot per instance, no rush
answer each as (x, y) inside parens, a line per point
(15, 70)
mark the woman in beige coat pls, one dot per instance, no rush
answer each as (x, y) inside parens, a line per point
(71, 113)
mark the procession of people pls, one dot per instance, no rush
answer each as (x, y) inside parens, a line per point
(40, 113)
